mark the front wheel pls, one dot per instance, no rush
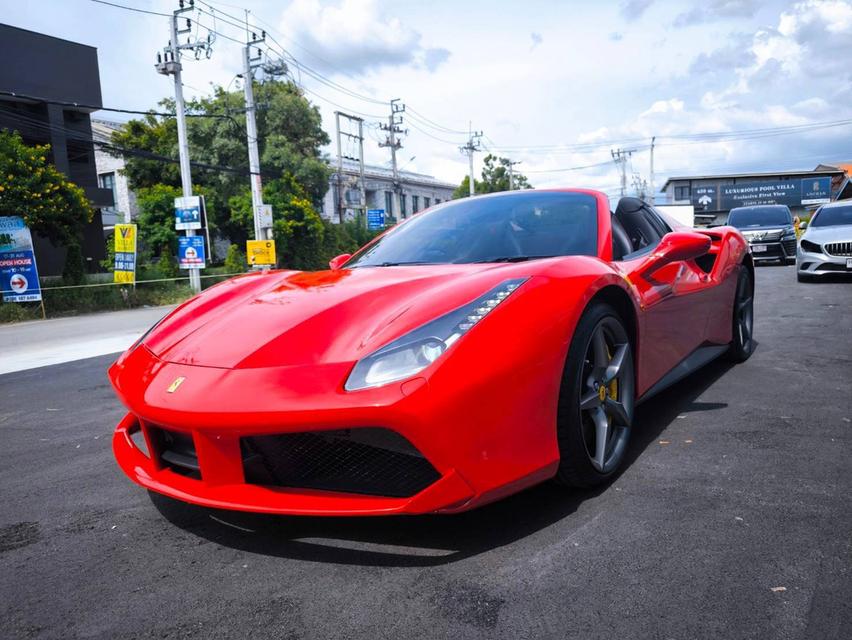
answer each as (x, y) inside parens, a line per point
(595, 400)
(742, 339)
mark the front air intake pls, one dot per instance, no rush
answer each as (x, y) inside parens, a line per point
(370, 461)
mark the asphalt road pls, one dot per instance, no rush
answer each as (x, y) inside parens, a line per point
(731, 520)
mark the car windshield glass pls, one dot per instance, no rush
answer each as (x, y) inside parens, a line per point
(500, 228)
(831, 216)
(759, 217)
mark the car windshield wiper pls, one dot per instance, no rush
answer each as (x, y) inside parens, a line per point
(511, 259)
(397, 264)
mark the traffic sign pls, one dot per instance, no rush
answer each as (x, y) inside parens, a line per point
(260, 252)
(375, 219)
(191, 253)
(188, 213)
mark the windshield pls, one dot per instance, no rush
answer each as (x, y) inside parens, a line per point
(500, 228)
(759, 217)
(831, 216)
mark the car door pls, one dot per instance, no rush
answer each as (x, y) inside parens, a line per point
(673, 298)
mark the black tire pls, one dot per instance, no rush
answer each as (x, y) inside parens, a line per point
(742, 318)
(596, 397)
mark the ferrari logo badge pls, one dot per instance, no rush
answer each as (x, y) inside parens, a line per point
(174, 385)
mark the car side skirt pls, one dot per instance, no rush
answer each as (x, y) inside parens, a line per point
(700, 357)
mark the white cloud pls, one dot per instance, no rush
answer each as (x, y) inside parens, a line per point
(357, 36)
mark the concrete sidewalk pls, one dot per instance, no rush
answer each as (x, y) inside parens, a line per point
(27, 345)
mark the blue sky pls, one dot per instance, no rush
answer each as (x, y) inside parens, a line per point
(537, 77)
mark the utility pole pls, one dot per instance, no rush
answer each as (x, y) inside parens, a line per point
(171, 66)
(250, 63)
(653, 188)
(512, 174)
(620, 157)
(473, 145)
(393, 128)
(341, 182)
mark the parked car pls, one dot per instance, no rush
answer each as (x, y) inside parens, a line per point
(769, 230)
(483, 346)
(826, 245)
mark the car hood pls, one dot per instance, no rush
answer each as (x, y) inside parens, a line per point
(301, 318)
(835, 233)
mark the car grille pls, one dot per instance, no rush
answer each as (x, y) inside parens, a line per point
(829, 266)
(839, 248)
(370, 460)
(175, 450)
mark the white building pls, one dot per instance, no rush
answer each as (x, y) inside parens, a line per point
(110, 177)
(418, 191)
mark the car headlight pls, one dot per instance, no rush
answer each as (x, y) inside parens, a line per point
(416, 350)
(812, 247)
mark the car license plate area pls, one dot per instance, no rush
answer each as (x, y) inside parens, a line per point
(758, 248)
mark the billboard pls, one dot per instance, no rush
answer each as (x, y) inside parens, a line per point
(18, 271)
(793, 193)
(816, 190)
(124, 268)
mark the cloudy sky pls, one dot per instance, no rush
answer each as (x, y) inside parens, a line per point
(555, 85)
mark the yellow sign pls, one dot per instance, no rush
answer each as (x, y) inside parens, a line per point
(260, 252)
(124, 268)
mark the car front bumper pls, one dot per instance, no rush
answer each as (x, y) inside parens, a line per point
(455, 454)
(810, 263)
(784, 249)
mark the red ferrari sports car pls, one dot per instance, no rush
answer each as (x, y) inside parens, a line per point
(480, 347)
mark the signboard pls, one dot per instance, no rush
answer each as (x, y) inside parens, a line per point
(375, 219)
(260, 252)
(816, 190)
(705, 197)
(746, 194)
(191, 252)
(188, 213)
(264, 215)
(18, 272)
(124, 268)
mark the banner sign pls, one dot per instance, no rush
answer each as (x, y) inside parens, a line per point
(124, 268)
(816, 190)
(18, 271)
(375, 219)
(260, 252)
(191, 252)
(188, 213)
(746, 194)
(793, 193)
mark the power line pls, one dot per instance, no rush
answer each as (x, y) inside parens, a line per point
(121, 6)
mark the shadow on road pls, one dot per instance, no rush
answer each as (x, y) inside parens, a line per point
(415, 541)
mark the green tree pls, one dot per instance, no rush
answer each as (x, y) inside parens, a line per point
(235, 260)
(31, 187)
(156, 220)
(495, 177)
(290, 138)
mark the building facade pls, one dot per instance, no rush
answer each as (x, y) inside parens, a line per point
(110, 176)
(417, 192)
(713, 196)
(56, 85)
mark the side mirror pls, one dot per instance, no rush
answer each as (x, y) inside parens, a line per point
(675, 247)
(803, 225)
(338, 261)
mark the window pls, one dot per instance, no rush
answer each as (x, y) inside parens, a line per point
(402, 203)
(437, 201)
(107, 181)
(496, 229)
(389, 203)
(426, 202)
(682, 193)
(415, 204)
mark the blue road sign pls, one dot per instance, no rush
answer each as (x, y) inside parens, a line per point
(188, 213)
(191, 252)
(375, 219)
